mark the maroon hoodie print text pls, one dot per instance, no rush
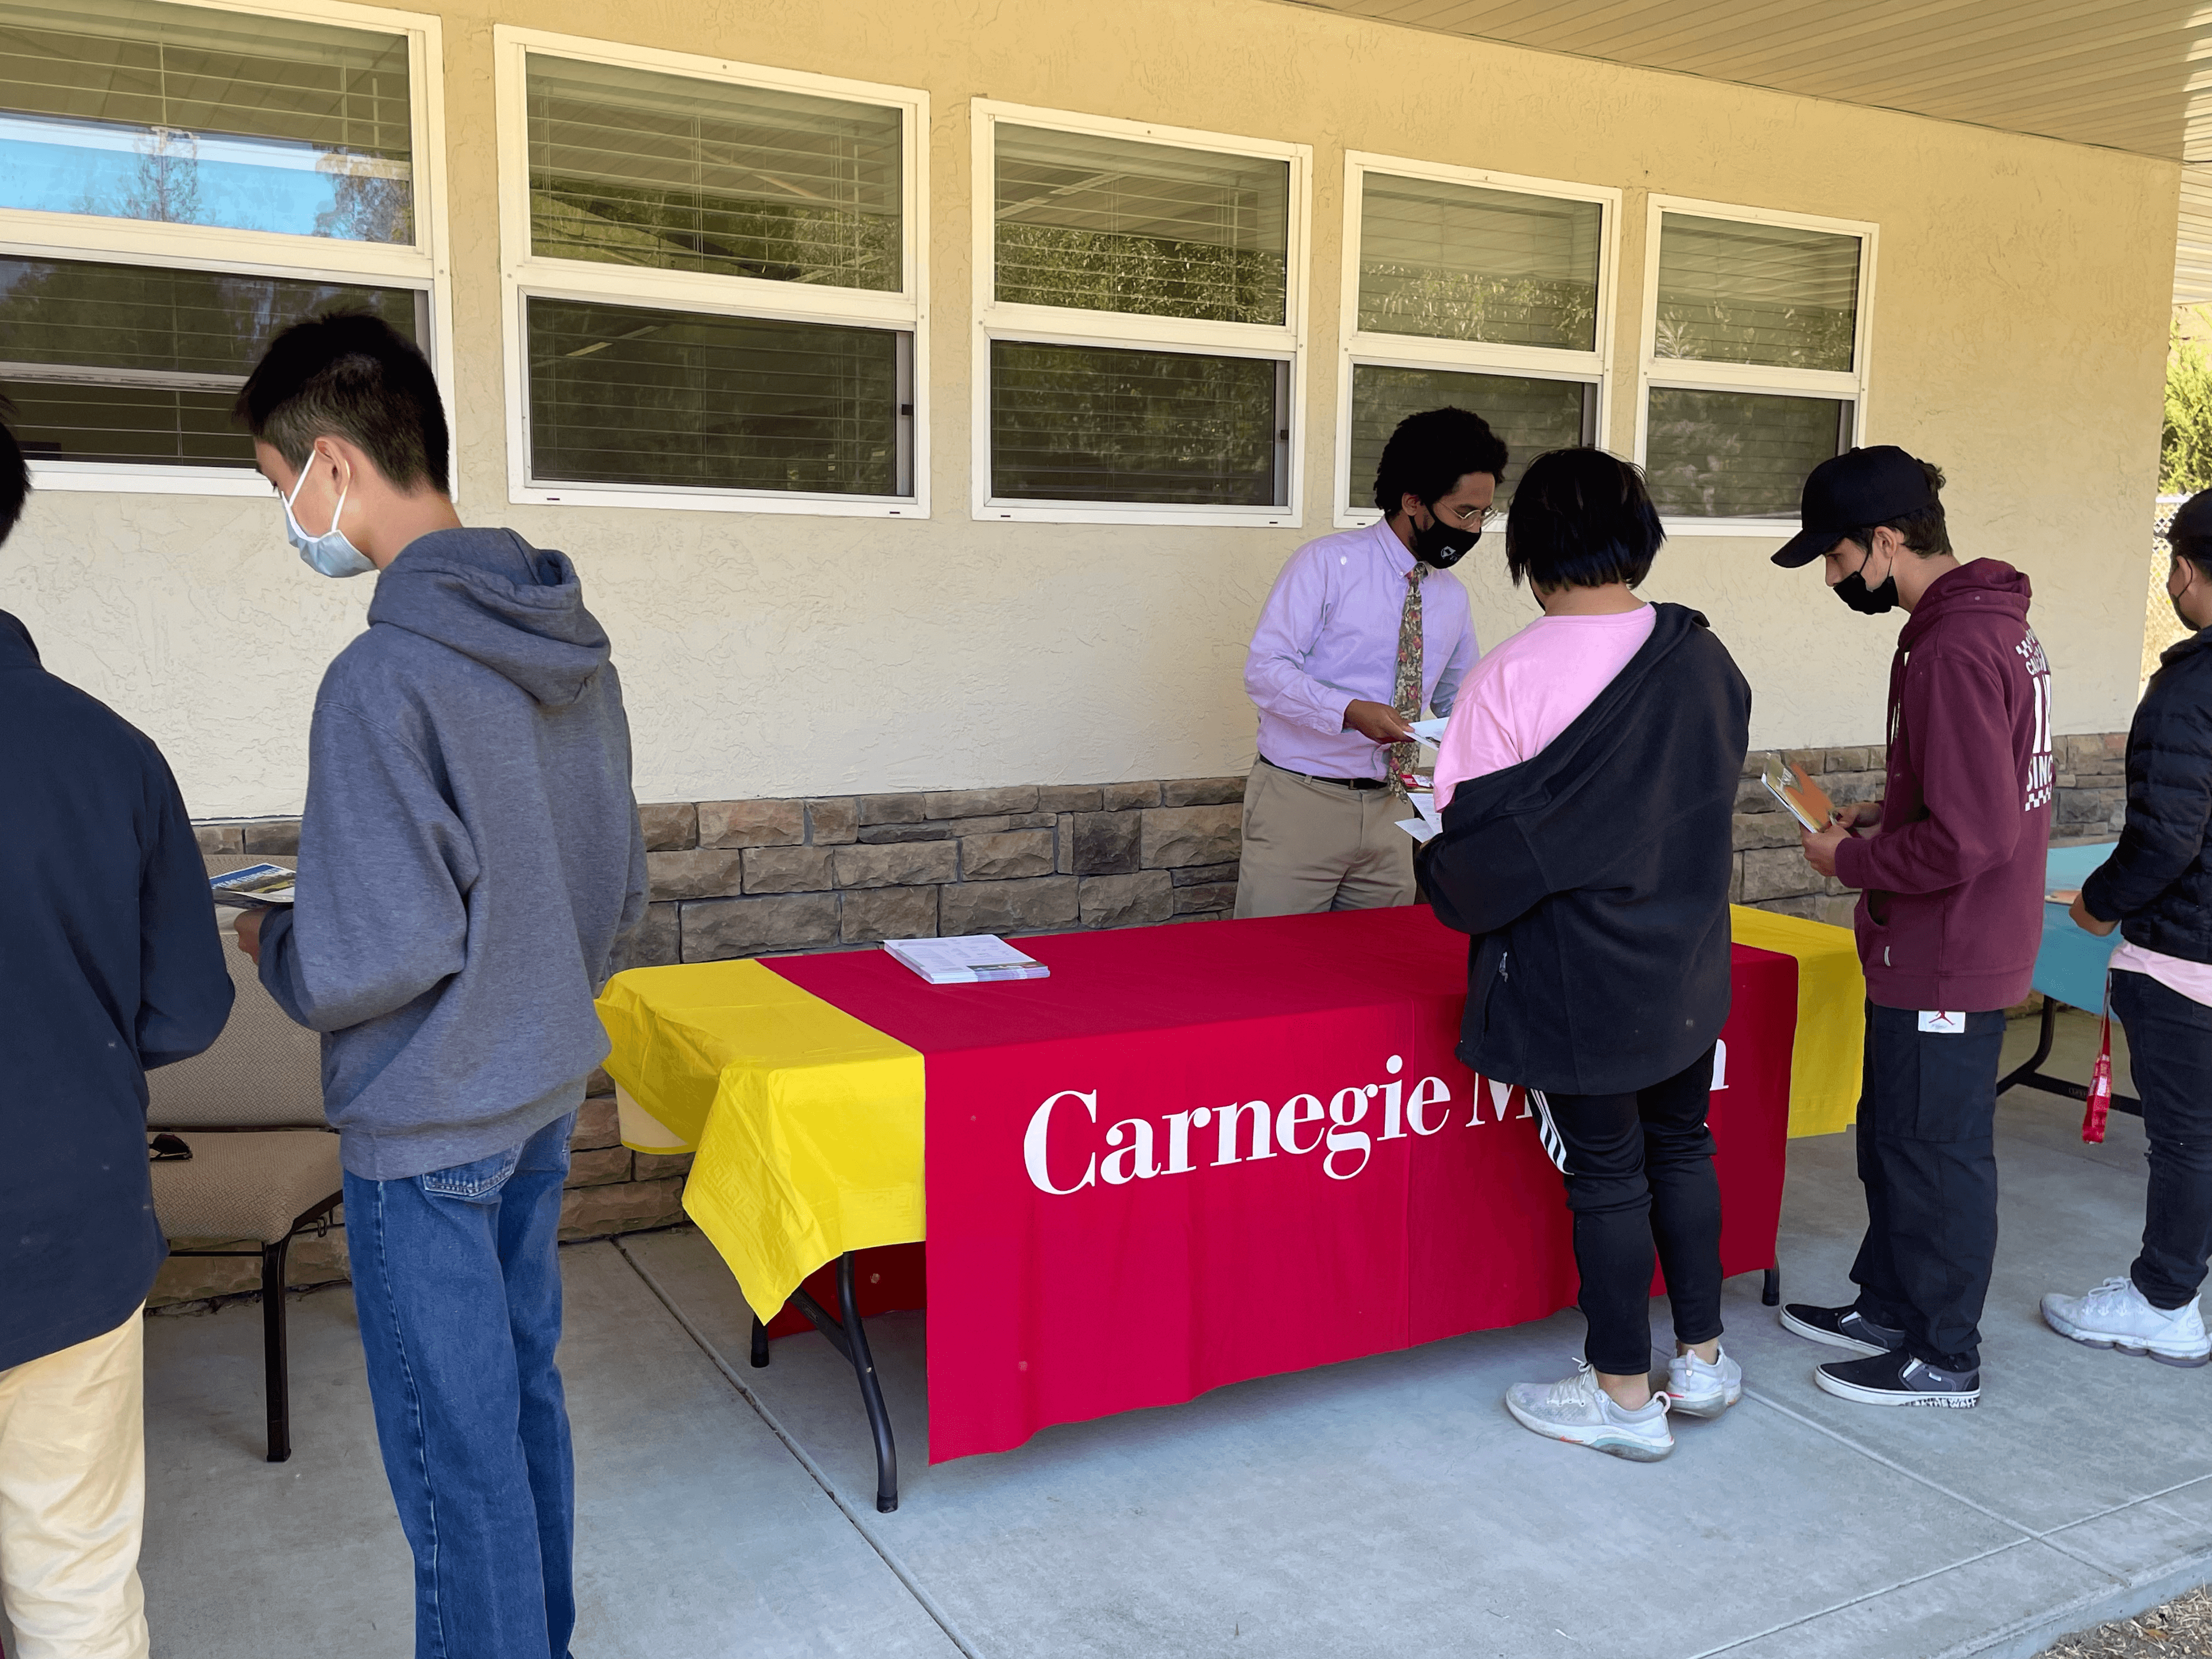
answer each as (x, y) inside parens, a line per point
(1952, 882)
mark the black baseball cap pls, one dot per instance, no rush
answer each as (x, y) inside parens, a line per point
(1858, 488)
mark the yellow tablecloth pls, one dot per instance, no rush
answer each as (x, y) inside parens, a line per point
(808, 1124)
(1825, 1061)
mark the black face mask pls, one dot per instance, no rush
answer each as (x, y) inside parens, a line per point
(1868, 601)
(1440, 546)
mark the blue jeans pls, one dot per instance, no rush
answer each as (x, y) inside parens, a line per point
(458, 1294)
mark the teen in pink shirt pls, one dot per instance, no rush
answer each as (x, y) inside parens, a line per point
(1563, 932)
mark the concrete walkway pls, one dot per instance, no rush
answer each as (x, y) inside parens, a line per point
(1387, 1507)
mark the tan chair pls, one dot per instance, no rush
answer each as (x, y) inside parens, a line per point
(264, 1164)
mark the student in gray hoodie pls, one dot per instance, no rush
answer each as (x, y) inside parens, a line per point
(469, 855)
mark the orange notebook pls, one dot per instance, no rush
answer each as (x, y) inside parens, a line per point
(1808, 802)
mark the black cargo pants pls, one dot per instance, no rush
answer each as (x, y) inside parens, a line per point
(1928, 1160)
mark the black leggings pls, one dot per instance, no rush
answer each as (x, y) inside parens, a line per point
(1640, 1170)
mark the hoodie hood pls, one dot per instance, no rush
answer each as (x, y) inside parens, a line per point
(497, 600)
(1988, 587)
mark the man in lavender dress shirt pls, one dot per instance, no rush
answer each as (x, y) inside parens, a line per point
(1320, 813)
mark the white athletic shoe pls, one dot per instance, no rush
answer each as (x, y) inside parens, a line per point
(1574, 1409)
(1696, 1389)
(2115, 1315)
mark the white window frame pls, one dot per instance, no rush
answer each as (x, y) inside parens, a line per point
(1357, 347)
(523, 275)
(1849, 384)
(29, 233)
(1066, 325)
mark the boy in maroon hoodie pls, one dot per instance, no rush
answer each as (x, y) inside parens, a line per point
(1950, 868)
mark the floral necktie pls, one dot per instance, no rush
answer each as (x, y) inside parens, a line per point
(1405, 695)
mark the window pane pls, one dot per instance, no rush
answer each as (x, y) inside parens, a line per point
(1089, 423)
(621, 395)
(111, 362)
(1453, 262)
(1731, 293)
(1738, 454)
(629, 168)
(134, 109)
(1532, 415)
(1111, 224)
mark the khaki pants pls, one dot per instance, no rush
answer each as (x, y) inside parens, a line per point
(1311, 846)
(73, 1498)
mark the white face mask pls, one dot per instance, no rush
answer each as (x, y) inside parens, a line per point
(330, 553)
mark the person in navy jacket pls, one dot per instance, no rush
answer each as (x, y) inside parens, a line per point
(110, 965)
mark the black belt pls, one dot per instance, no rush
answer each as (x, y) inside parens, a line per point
(1341, 783)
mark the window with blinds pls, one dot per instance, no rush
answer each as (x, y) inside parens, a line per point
(185, 115)
(1461, 262)
(1477, 291)
(128, 363)
(1169, 264)
(631, 395)
(1771, 294)
(629, 167)
(1752, 359)
(1533, 415)
(1154, 429)
(1737, 454)
(1095, 222)
(656, 195)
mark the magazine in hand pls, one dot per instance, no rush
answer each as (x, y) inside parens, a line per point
(1808, 802)
(257, 883)
(969, 961)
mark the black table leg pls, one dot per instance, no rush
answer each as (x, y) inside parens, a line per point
(759, 1355)
(1770, 1290)
(2029, 1077)
(850, 1339)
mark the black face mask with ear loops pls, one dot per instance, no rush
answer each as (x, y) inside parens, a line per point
(1440, 546)
(1869, 601)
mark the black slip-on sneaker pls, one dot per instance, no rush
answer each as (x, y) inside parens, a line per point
(1841, 1328)
(1897, 1379)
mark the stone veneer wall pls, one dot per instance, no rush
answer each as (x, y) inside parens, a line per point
(751, 878)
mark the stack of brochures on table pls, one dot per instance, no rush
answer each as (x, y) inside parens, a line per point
(257, 883)
(968, 961)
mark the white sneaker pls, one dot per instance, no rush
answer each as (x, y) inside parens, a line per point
(2115, 1315)
(1696, 1389)
(1574, 1409)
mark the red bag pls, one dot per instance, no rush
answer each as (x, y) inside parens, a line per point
(2101, 1079)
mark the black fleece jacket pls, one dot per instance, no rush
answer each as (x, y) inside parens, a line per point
(1595, 877)
(109, 965)
(2158, 883)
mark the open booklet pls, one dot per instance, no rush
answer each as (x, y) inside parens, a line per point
(969, 961)
(257, 883)
(1808, 802)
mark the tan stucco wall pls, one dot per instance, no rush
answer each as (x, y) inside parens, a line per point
(2022, 301)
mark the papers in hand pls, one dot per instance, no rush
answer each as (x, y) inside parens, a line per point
(965, 961)
(257, 883)
(1808, 802)
(1431, 731)
(1420, 829)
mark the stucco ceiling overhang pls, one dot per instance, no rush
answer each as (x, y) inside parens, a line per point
(2133, 74)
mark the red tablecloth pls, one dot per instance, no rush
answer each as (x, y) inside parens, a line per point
(1091, 1251)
